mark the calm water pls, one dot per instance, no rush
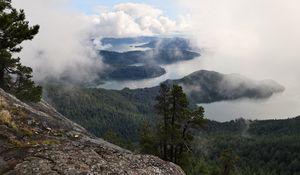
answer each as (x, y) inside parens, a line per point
(174, 71)
(282, 105)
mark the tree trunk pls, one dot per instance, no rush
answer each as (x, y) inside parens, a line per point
(160, 149)
(1, 78)
(172, 133)
(165, 138)
(226, 170)
(185, 128)
(175, 155)
(181, 149)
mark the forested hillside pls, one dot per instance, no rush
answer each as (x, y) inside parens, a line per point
(119, 115)
(101, 110)
(123, 110)
(263, 147)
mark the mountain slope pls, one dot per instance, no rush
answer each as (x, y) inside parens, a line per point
(208, 86)
(123, 111)
(136, 72)
(158, 56)
(169, 43)
(35, 139)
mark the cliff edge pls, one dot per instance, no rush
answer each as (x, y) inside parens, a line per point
(36, 139)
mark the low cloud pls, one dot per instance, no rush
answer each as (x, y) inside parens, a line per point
(254, 38)
(237, 85)
(62, 48)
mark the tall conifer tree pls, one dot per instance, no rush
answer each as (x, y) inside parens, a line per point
(173, 137)
(14, 77)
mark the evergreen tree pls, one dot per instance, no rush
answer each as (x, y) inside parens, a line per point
(228, 161)
(149, 141)
(163, 108)
(14, 77)
(179, 112)
(172, 139)
(111, 136)
(194, 119)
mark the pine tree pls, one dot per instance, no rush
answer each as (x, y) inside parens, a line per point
(179, 111)
(194, 119)
(163, 108)
(172, 138)
(149, 141)
(14, 77)
(228, 161)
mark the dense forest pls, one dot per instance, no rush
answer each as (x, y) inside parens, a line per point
(262, 147)
(101, 110)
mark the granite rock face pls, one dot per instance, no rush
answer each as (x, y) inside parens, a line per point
(35, 139)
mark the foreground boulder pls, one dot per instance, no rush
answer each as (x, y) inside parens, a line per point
(35, 139)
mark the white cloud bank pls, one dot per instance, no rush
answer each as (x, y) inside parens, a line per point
(131, 19)
(258, 38)
(61, 49)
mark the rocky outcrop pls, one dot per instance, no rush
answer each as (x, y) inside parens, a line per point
(35, 139)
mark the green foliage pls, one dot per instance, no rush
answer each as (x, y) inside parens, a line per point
(267, 147)
(114, 138)
(100, 110)
(14, 77)
(200, 166)
(228, 161)
(171, 138)
(148, 139)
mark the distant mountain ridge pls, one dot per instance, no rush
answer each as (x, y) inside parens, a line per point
(127, 40)
(175, 43)
(210, 86)
(136, 72)
(159, 57)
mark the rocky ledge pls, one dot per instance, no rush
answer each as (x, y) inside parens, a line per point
(36, 139)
